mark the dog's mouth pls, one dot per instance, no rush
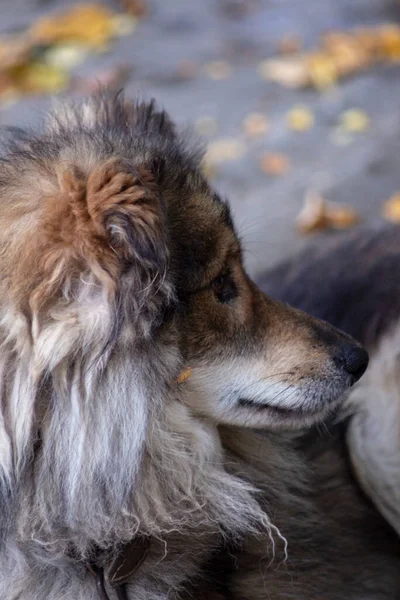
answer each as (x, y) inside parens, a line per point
(289, 414)
(278, 410)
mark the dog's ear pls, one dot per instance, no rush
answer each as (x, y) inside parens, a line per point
(116, 207)
(99, 251)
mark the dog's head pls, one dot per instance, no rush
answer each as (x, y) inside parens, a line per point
(121, 267)
(254, 361)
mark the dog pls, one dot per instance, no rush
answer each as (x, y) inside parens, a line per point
(129, 332)
(333, 491)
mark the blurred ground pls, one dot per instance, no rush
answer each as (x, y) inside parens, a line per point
(169, 53)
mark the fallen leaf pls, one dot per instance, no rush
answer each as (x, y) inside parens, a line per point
(218, 69)
(339, 54)
(300, 118)
(354, 120)
(322, 71)
(137, 8)
(224, 149)
(90, 24)
(274, 163)
(39, 78)
(290, 73)
(390, 41)
(184, 375)
(391, 208)
(65, 56)
(289, 44)
(255, 125)
(319, 214)
(40, 59)
(15, 51)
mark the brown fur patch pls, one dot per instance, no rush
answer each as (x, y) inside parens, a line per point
(99, 223)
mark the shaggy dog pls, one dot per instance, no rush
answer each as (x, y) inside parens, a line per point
(121, 269)
(338, 545)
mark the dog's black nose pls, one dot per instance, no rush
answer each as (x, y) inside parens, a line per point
(353, 359)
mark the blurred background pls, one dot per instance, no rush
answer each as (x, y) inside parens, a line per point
(298, 100)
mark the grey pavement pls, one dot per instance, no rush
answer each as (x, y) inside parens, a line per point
(364, 173)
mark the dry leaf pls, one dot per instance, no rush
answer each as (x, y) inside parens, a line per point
(40, 59)
(37, 78)
(289, 45)
(274, 163)
(136, 8)
(218, 69)
(65, 56)
(291, 73)
(15, 51)
(224, 149)
(339, 55)
(318, 214)
(391, 208)
(184, 375)
(255, 125)
(354, 120)
(390, 41)
(90, 24)
(300, 118)
(322, 70)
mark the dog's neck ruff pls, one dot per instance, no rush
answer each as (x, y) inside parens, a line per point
(123, 567)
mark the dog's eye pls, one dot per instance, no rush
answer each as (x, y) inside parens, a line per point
(224, 288)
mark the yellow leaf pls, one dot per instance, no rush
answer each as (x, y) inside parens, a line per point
(274, 163)
(318, 214)
(390, 41)
(291, 73)
(354, 120)
(300, 118)
(90, 24)
(39, 78)
(391, 208)
(322, 70)
(224, 149)
(65, 56)
(255, 125)
(289, 44)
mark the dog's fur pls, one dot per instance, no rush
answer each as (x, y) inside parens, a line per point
(338, 544)
(120, 267)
